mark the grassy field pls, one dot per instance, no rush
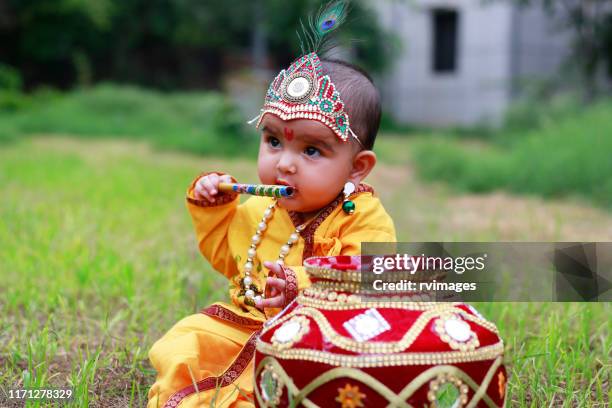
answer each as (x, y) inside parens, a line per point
(564, 155)
(98, 259)
(194, 122)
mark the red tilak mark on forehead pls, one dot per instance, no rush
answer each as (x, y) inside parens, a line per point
(289, 134)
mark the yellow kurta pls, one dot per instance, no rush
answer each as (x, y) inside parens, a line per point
(207, 358)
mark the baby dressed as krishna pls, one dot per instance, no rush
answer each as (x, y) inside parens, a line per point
(318, 125)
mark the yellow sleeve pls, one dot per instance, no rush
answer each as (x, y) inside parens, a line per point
(211, 222)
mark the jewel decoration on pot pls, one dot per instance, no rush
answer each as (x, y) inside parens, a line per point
(367, 325)
(447, 391)
(501, 384)
(455, 331)
(271, 386)
(350, 397)
(290, 332)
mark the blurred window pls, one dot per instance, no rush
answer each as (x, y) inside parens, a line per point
(444, 52)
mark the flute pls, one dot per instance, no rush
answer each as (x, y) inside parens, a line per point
(257, 189)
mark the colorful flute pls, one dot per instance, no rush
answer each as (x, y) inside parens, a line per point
(257, 189)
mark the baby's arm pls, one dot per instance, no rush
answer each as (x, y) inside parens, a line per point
(212, 213)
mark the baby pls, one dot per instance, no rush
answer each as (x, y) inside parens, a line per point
(318, 125)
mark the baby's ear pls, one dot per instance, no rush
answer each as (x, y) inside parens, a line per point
(363, 163)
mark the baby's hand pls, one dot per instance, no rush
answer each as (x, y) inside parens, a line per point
(275, 288)
(207, 187)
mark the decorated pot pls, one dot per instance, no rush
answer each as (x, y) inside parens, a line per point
(331, 348)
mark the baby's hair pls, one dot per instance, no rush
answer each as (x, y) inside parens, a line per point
(360, 96)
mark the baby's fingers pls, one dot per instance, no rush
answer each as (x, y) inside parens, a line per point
(199, 190)
(211, 184)
(206, 187)
(275, 283)
(202, 192)
(277, 301)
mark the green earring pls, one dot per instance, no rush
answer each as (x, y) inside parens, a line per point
(348, 206)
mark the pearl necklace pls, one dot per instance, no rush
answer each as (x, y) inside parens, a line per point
(251, 292)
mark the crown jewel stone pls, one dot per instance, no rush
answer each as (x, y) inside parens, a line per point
(298, 87)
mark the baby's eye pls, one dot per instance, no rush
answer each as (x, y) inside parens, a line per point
(274, 142)
(312, 151)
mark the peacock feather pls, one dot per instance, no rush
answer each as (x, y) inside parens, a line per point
(315, 35)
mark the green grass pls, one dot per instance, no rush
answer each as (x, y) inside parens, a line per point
(98, 259)
(563, 157)
(196, 122)
(85, 257)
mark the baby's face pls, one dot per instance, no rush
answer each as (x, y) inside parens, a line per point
(307, 155)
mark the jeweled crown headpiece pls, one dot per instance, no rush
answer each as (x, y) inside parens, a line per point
(303, 91)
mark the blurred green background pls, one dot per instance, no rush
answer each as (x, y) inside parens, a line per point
(109, 108)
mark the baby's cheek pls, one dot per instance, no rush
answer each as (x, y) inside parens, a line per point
(323, 189)
(265, 171)
(265, 176)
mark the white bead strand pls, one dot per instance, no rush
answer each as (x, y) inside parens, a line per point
(247, 281)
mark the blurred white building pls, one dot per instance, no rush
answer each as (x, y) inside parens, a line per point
(462, 61)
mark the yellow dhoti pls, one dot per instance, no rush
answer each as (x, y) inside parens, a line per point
(205, 360)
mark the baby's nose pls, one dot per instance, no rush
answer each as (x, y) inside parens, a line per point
(286, 164)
